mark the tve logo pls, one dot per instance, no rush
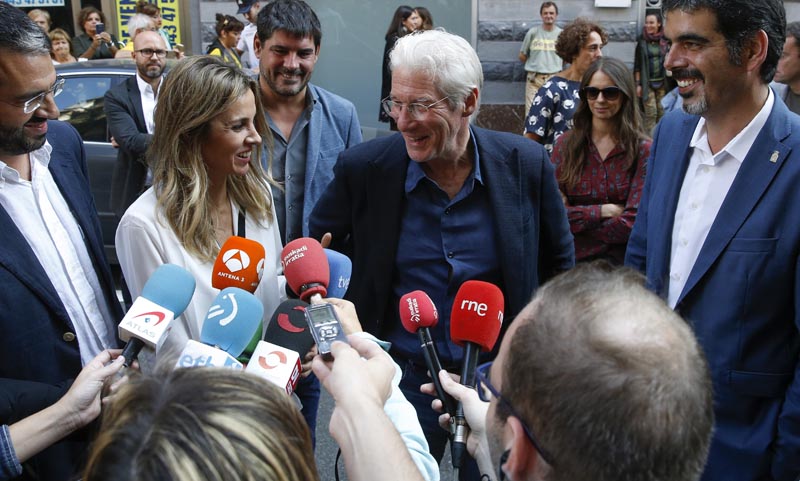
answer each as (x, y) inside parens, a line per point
(218, 310)
(236, 260)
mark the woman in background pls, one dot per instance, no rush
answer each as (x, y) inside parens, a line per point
(404, 21)
(579, 44)
(600, 163)
(41, 18)
(90, 44)
(202, 424)
(61, 47)
(208, 185)
(425, 17)
(153, 11)
(229, 30)
(652, 82)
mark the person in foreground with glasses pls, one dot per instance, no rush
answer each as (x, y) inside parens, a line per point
(440, 203)
(600, 163)
(597, 378)
(60, 308)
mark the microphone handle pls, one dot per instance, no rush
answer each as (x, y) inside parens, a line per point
(458, 445)
(131, 350)
(434, 366)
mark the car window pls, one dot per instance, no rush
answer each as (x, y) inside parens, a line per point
(81, 104)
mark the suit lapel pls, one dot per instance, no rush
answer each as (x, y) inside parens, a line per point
(763, 161)
(136, 100)
(315, 129)
(503, 177)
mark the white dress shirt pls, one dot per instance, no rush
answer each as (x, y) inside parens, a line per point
(705, 186)
(43, 217)
(145, 241)
(149, 100)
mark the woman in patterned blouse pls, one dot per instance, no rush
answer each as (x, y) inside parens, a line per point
(600, 163)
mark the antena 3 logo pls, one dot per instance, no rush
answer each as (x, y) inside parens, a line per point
(236, 260)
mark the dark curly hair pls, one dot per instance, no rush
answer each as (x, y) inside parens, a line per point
(572, 39)
(83, 15)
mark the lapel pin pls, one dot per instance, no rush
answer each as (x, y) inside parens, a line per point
(774, 157)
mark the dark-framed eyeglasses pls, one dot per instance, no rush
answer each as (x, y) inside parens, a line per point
(609, 93)
(415, 110)
(148, 52)
(33, 103)
(486, 391)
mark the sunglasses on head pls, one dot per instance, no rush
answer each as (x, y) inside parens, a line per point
(609, 93)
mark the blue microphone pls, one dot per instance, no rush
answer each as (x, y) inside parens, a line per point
(232, 320)
(164, 297)
(341, 267)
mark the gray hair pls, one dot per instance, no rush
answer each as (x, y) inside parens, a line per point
(138, 21)
(449, 60)
(20, 34)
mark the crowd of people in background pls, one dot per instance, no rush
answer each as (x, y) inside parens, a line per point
(639, 229)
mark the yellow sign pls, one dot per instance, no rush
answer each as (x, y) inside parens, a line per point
(170, 18)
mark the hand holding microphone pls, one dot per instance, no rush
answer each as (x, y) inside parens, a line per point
(475, 323)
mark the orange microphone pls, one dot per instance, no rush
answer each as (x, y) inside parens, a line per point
(240, 263)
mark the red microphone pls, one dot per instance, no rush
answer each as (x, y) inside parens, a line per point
(240, 263)
(475, 323)
(306, 269)
(418, 314)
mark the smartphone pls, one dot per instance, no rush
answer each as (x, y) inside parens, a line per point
(325, 327)
(99, 28)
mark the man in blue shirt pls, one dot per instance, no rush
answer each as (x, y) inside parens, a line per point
(310, 126)
(438, 204)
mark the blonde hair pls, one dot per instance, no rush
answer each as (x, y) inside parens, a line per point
(202, 424)
(196, 90)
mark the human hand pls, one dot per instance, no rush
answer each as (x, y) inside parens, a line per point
(305, 365)
(325, 242)
(611, 210)
(81, 403)
(346, 312)
(638, 90)
(474, 412)
(104, 37)
(114, 143)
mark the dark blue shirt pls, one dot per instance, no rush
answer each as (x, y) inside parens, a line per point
(443, 243)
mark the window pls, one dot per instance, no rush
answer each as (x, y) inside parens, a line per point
(81, 104)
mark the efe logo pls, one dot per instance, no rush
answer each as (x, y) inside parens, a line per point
(236, 260)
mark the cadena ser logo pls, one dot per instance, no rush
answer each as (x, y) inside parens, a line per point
(285, 322)
(236, 260)
(152, 318)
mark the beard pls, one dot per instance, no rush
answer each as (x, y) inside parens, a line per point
(151, 71)
(274, 82)
(697, 108)
(14, 141)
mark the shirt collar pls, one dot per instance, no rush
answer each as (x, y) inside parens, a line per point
(40, 155)
(740, 145)
(414, 172)
(146, 88)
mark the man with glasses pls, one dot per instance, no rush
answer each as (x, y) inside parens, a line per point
(597, 378)
(59, 306)
(440, 203)
(129, 108)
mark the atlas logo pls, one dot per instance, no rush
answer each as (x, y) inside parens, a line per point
(286, 324)
(236, 260)
(281, 358)
(217, 310)
(148, 317)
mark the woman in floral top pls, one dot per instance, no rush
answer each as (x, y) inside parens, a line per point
(550, 115)
(600, 163)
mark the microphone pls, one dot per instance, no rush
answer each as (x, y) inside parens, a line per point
(341, 268)
(164, 296)
(288, 327)
(475, 323)
(276, 364)
(240, 263)
(418, 314)
(306, 269)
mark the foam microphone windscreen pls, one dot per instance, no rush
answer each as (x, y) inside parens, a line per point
(341, 268)
(477, 314)
(232, 320)
(305, 267)
(289, 328)
(417, 310)
(240, 263)
(171, 287)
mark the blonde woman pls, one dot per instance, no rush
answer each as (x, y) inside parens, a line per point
(61, 47)
(202, 425)
(208, 184)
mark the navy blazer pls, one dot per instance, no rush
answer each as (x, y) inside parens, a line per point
(742, 296)
(363, 209)
(37, 342)
(123, 107)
